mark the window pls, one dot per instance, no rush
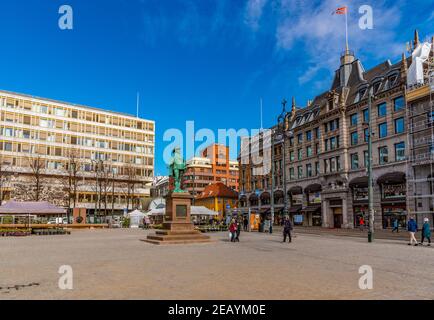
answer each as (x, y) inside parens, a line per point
(382, 130)
(300, 138)
(317, 168)
(300, 172)
(332, 143)
(326, 144)
(8, 146)
(355, 161)
(366, 116)
(354, 138)
(309, 135)
(291, 174)
(353, 119)
(383, 155)
(317, 133)
(332, 125)
(400, 151)
(398, 104)
(430, 117)
(326, 165)
(399, 125)
(382, 109)
(326, 127)
(309, 151)
(291, 156)
(291, 141)
(366, 135)
(299, 154)
(362, 93)
(376, 87)
(365, 158)
(317, 149)
(333, 166)
(309, 170)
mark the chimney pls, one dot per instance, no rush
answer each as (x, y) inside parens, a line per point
(416, 38)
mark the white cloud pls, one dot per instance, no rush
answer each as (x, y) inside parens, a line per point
(253, 13)
(312, 28)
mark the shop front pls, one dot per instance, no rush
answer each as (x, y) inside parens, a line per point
(337, 212)
(312, 211)
(393, 199)
(295, 195)
(359, 189)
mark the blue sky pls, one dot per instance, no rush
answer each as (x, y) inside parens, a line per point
(204, 60)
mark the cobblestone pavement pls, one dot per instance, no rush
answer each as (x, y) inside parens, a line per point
(115, 264)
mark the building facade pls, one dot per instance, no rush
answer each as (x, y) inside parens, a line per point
(219, 198)
(326, 150)
(73, 155)
(213, 165)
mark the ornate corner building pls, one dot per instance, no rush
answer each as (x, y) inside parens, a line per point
(326, 149)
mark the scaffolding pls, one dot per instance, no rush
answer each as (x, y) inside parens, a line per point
(420, 140)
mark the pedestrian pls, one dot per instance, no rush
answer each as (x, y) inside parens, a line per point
(287, 228)
(233, 230)
(246, 224)
(237, 238)
(395, 226)
(412, 229)
(426, 232)
(361, 223)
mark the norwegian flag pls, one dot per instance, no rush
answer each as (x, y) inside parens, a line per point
(342, 10)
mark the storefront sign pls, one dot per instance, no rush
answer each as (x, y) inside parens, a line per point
(391, 191)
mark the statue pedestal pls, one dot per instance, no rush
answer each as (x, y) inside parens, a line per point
(178, 228)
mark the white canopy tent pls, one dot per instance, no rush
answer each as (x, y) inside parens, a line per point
(136, 218)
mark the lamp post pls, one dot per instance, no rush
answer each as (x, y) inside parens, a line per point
(370, 184)
(281, 134)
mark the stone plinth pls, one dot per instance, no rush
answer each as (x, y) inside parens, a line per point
(178, 228)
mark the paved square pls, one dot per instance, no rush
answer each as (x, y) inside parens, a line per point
(115, 264)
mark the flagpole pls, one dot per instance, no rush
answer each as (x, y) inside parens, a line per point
(346, 29)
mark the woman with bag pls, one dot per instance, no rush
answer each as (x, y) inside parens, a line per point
(233, 230)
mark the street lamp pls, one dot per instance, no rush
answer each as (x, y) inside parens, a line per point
(280, 133)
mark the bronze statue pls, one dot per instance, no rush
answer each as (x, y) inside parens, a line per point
(177, 169)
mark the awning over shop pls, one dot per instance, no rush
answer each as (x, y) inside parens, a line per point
(312, 208)
(316, 187)
(34, 208)
(360, 182)
(295, 209)
(392, 178)
(296, 190)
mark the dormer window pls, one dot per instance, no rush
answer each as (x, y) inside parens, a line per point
(362, 93)
(376, 87)
(392, 80)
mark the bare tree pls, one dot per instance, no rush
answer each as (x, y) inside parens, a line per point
(129, 184)
(73, 170)
(37, 167)
(4, 178)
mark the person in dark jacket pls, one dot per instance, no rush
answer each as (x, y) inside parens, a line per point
(395, 226)
(412, 229)
(426, 232)
(246, 224)
(237, 237)
(287, 228)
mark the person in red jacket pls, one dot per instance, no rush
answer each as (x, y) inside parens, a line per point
(233, 230)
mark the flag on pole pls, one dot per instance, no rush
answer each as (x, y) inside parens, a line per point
(342, 10)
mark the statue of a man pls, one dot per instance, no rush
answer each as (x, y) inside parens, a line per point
(177, 168)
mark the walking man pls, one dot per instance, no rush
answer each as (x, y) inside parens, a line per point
(237, 238)
(426, 232)
(395, 226)
(233, 230)
(246, 224)
(412, 229)
(287, 228)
